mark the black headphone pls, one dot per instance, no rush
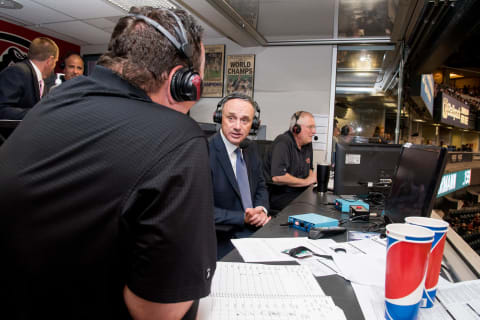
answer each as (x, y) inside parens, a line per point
(217, 115)
(186, 84)
(345, 131)
(296, 128)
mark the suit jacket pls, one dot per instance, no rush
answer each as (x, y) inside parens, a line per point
(229, 209)
(19, 90)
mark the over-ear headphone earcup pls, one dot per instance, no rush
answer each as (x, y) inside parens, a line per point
(296, 129)
(256, 118)
(255, 123)
(186, 85)
(217, 116)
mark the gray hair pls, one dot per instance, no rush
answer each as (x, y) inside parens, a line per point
(296, 117)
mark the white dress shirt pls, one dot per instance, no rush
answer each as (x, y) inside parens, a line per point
(38, 73)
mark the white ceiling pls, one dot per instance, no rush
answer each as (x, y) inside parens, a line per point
(82, 22)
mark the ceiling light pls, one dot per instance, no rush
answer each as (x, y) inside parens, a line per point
(436, 125)
(359, 129)
(354, 90)
(455, 76)
(419, 120)
(364, 74)
(10, 4)
(127, 4)
(364, 58)
(390, 104)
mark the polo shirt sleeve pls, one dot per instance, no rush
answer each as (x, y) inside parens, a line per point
(281, 161)
(172, 231)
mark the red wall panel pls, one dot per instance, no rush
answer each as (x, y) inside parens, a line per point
(15, 40)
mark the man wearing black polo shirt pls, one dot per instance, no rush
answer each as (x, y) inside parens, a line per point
(106, 194)
(290, 162)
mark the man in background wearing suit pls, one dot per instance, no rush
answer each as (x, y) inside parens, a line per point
(240, 194)
(72, 66)
(22, 85)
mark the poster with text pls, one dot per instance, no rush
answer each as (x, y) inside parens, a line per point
(213, 78)
(240, 74)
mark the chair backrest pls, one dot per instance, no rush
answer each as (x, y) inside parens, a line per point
(265, 149)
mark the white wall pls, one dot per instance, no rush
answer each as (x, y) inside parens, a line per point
(287, 79)
(94, 49)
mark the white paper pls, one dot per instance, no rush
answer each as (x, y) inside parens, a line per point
(361, 269)
(320, 267)
(370, 247)
(270, 249)
(461, 299)
(305, 308)
(264, 292)
(372, 302)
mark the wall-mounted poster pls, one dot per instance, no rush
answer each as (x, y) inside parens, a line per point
(240, 74)
(213, 78)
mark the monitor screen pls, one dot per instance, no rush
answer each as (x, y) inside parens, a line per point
(356, 165)
(416, 181)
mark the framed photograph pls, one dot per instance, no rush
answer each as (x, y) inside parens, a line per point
(213, 78)
(240, 74)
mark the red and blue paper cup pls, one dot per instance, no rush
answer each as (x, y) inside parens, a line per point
(408, 249)
(440, 228)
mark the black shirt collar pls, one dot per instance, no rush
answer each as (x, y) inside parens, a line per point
(113, 81)
(290, 134)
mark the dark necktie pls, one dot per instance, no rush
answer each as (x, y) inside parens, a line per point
(242, 180)
(41, 86)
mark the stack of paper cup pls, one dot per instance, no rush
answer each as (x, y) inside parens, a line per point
(408, 248)
(440, 228)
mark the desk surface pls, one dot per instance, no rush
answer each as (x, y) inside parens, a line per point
(335, 286)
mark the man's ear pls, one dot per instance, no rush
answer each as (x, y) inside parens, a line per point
(171, 100)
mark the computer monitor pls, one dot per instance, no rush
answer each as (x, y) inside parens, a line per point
(416, 181)
(358, 165)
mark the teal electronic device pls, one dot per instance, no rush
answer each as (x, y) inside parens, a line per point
(307, 221)
(343, 205)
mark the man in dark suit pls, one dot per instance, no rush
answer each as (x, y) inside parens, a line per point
(22, 85)
(240, 194)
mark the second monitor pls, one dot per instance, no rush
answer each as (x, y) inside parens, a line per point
(359, 165)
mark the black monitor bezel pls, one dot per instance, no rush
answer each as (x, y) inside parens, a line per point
(432, 192)
(340, 153)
